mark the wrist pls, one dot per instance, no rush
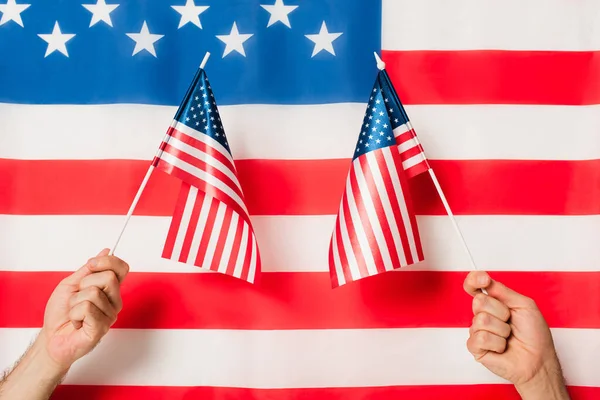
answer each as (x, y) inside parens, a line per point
(35, 376)
(40, 360)
(547, 384)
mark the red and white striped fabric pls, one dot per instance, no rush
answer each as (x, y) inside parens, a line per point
(211, 227)
(411, 151)
(505, 98)
(376, 230)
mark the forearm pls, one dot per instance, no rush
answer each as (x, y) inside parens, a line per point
(549, 384)
(34, 378)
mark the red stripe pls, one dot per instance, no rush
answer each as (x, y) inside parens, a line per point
(307, 301)
(247, 256)
(406, 154)
(350, 230)
(207, 229)
(201, 165)
(417, 169)
(208, 189)
(222, 237)
(403, 178)
(235, 249)
(365, 221)
(433, 392)
(193, 223)
(379, 209)
(226, 161)
(342, 253)
(386, 171)
(293, 187)
(175, 222)
(495, 77)
(405, 136)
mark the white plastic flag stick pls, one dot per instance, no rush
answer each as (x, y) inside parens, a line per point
(145, 182)
(381, 67)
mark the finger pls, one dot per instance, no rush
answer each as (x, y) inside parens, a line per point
(82, 272)
(482, 342)
(107, 282)
(112, 263)
(90, 318)
(475, 281)
(490, 305)
(509, 297)
(76, 276)
(95, 296)
(487, 322)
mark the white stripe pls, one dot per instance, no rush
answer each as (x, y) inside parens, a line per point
(202, 217)
(300, 243)
(253, 261)
(202, 175)
(414, 160)
(337, 262)
(401, 202)
(365, 194)
(215, 232)
(409, 144)
(348, 249)
(185, 223)
(203, 138)
(204, 157)
(227, 248)
(387, 206)
(401, 129)
(239, 264)
(359, 230)
(254, 131)
(298, 358)
(476, 24)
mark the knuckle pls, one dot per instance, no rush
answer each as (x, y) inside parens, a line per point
(481, 338)
(483, 319)
(530, 302)
(87, 306)
(126, 267)
(112, 278)
(95, 293)
(479, 301)
(501, 346)
(505, 314)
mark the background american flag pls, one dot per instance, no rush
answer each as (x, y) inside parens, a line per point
(503, 96)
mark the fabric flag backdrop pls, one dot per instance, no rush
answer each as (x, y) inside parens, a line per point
(503, 96)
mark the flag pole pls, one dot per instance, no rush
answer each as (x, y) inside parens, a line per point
(145, 182)
(381, 67)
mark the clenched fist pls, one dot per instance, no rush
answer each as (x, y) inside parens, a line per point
(510, 337)
(78, 314)
(82, 308)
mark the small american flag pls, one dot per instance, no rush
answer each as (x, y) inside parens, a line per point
(211, 227)
(376, 229)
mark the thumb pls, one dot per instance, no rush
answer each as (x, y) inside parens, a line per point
(103, 253)
(508, 296)
(84, 271)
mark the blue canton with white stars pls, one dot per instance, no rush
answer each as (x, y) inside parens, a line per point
(288, 52)
(200, 112)
(384, 114)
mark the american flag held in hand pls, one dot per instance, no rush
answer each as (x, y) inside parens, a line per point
(376, 229)
(211, 227)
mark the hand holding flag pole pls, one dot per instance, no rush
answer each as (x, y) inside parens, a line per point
(145, 182)
(381, 67)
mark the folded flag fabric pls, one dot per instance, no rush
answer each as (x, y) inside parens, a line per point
(211, 227)
(376, 229)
